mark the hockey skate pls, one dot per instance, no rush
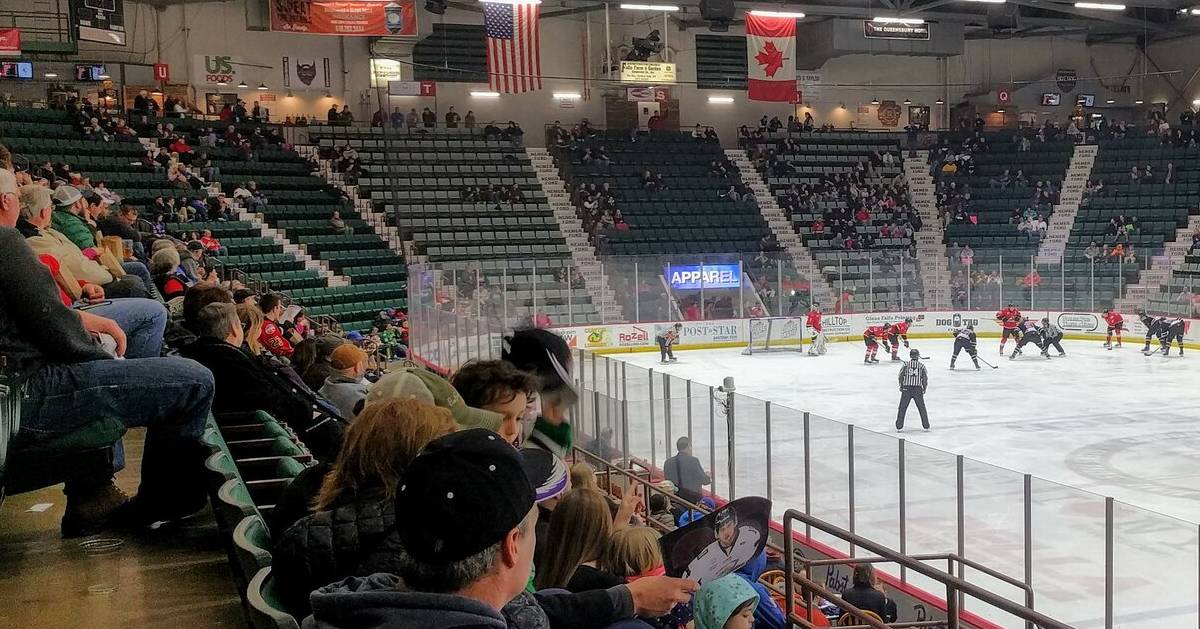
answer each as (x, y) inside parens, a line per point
(952, 364)
(1014, 354)
(874, 360)
(977, 366)
(897, 359)
(673, 359)
(1108, 346)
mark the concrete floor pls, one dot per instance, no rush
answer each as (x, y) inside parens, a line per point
(179, 577)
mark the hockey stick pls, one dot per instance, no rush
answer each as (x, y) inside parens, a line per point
(982, 360)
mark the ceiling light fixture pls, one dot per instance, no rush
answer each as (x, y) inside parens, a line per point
(999, 111)
(1195, 11)
(222, 83)
(51, 75)
(874, 101)
(485, 94)
(650, 7)
(907, 101)
(1109, 101)
(898, 20)
(568, 95)
(262, 87)
(243, 85)
(1139, 102)
(1100, 6)
(722, 100)
(792, 14)
(939, 102)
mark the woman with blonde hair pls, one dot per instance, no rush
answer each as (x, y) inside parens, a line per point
(634, 553)
(578, 539)
(352, 532)
(252, 322)
(584, 476)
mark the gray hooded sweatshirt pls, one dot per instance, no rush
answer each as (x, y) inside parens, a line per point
(375, 603)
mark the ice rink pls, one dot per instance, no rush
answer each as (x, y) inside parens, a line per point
(1094, 423)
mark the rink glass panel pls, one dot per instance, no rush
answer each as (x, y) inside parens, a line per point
(1011, 523)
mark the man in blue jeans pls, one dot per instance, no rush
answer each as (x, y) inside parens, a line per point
(69, 381)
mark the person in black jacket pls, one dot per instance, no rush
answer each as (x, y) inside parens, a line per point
(245, 385)
(866, 593)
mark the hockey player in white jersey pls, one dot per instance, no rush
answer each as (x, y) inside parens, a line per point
(964, 338)
(733, 548)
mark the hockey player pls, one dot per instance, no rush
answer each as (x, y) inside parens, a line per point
(964, 338)
(667, 339)
(1167, 330)
(1051, 335)
(1116, 323)
(871, 337)
(1029, 333)
(817, 346)
(1009, 317)
(899, 332)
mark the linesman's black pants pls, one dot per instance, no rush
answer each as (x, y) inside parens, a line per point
(1056, 344)
(913, 394)
(664, 349)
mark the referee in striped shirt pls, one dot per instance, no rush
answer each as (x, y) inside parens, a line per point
(913, 381)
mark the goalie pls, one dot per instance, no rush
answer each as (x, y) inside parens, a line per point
(666, 340)
(817, 346)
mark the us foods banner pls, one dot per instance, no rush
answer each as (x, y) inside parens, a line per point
(361, 18)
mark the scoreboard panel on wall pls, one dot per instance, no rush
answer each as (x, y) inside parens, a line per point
(100, 20)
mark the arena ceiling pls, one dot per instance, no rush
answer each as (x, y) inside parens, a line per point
(1139, 20)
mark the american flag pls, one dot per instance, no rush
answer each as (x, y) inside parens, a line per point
(514, 56)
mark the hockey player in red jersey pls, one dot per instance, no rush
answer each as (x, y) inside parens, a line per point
(1116, 323)
(872, 336)
(897, 333)
(816, 335)
(1009, 318)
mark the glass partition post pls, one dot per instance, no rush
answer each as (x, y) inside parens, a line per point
(533, 286)
(504, 293)
(478, 293)
(741, 291)
(653, 449)
(1120, 277)
(712, 437)
(841, 285)
(1001, 285)
(779, 287)
(570, 296)
(870, 283)
(970, 281)
(637, 295)
(1062, 281)
(703, 317)
(902, 282)
(1033, 282)
(1092, 282)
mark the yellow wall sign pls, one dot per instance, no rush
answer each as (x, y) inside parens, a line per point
(647, 72)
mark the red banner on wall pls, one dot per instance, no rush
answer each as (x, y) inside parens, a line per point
(10, 41)
(162, 72)
(771, 58)
(362, 18)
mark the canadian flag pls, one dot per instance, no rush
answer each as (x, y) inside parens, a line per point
(771, 63)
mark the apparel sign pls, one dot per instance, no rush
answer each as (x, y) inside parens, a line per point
(1066, 79)
(647, 72)
(695, 276)
(301, 73)
(893, 30)
(808, 84)
(100, 20)
(353, 18)
(10, 41)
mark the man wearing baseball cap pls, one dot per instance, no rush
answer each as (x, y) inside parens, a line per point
(69, 216)
(347, 388)
(465, 516)
(429, 387)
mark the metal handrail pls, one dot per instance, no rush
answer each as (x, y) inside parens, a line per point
(809, 586)
(954, 585)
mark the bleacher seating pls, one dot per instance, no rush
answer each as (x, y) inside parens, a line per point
(883, 277)
(418, 181)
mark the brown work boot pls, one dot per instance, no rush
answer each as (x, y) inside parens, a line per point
(91, 509)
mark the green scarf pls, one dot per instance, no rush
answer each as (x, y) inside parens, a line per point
(557, 439)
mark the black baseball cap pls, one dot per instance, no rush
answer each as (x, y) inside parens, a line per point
(461, 495)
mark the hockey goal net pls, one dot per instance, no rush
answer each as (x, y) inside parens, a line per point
(775, 334)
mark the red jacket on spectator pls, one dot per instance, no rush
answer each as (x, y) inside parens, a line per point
(210, 243)
(179, 146)
(273, 339)
(52, 263)
(691, 312)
